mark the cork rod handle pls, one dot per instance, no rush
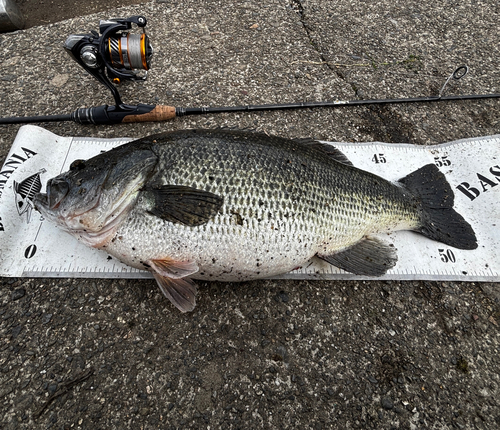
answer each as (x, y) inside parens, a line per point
(159, 113)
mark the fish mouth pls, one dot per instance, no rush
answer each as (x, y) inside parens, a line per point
(40, 201)
(57, 190)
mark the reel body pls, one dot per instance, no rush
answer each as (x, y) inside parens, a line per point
(115, 54)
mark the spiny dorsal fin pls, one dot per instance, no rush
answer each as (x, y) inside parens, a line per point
(185, 205)
(326, 149)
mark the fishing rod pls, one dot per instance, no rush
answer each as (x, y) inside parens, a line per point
(116, 55)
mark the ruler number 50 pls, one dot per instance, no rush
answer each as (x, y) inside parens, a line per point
(447, 256)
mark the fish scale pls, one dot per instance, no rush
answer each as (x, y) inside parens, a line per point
(234, 205)
(259, 184)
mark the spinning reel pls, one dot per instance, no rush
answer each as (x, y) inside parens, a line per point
(115, 54)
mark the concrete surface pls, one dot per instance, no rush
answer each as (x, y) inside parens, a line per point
(43, 12)
(267, 354)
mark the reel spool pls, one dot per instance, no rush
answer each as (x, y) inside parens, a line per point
(125, 51)
(130, 51)
(115, 54)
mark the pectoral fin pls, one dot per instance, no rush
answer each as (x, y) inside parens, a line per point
(369, 257)
(185, 205)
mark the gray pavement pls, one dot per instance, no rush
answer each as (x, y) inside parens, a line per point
(264, 354)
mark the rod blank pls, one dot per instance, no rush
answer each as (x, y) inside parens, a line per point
(141, 113)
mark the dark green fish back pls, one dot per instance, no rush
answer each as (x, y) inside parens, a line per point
(281, 182)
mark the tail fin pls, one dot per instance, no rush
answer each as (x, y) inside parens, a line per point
(439, 220)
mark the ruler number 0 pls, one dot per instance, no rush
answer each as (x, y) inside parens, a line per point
(30, 251)
(447, 256)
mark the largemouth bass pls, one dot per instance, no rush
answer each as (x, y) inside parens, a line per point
(234, 205)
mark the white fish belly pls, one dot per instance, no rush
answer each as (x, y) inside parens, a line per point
(223, 251)
(230, 249)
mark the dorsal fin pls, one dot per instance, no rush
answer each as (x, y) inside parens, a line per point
(326, 149)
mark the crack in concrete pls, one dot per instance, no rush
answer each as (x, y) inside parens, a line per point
(296, 5)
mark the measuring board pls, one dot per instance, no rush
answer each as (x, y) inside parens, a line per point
(32, 247)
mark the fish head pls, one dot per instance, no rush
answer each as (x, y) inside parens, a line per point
(95, 193)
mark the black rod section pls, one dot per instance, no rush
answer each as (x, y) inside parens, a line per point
(29, 119)
(115, 114)
(250, 108)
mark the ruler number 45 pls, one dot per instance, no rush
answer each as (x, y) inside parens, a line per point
(379, 158)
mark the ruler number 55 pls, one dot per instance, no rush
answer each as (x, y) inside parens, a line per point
(442, 161)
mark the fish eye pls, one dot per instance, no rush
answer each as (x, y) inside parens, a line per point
(77, 165)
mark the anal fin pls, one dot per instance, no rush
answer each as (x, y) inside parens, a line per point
(369, 257)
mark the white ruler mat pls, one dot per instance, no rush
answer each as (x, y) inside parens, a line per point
(32, 247)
